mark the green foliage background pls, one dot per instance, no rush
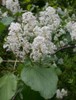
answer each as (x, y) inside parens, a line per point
(67, 78)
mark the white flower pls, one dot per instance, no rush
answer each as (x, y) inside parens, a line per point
(58, 94)
(28, 22)
(12, 5)
(15, 27)
(5, 14)
(61, 93)
(41, 46)
(28, 17)
(71, 27)
(55, 38)
(49, 18)
(30, 37)
(62, 43)
(37, 31)
(50, 10)
(64, 92)
(44, 31)
(61, 31)
(16, 42)
(59, 10)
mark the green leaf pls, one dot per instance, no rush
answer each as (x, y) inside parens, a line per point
(7, 20)
(41, 79)
(29, 7)
(58, 71)
(2, 27)
(26, 1)
(8, 85)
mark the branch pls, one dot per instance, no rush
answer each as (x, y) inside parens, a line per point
(65, 47)
(12, 61)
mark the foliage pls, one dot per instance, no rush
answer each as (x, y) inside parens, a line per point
(20, 80)
(8, 85)
(37, 79)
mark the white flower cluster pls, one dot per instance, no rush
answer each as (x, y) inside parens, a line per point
(30, 37)
(29, 22)
(43, 31)
(60, 33)
(49, 18)
(12, 5)
(15, 41)
(61, 94)
(71, 27)
(41, 46)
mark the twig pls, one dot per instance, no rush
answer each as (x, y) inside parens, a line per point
(65, 47)
(13, 61)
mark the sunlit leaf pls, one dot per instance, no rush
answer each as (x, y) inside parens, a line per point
(39, 79)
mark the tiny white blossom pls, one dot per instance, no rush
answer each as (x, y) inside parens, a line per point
(61, 93)
(59, 10)
(58, 94)
(64, 92)
(15, 27)
(62, 43)
(12, 5)
(55, 38)
(5, 14)
(71, 27)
